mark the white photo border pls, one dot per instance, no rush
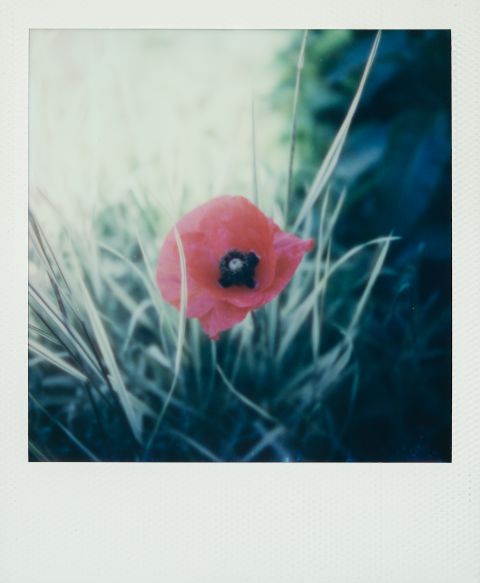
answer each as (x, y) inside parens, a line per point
(241, 523)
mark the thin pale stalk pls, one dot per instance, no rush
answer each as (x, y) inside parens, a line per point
(330, 161)
(180, 339)
(293, 134)
(254, 157)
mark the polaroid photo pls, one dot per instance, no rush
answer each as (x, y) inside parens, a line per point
(242, 363)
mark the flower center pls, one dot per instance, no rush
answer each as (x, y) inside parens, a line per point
(235, 264)
(238, 268)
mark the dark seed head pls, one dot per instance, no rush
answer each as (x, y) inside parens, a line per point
(238, 268)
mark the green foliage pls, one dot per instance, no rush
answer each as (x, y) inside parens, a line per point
(396, 166)
(117, 374)
(397, 160)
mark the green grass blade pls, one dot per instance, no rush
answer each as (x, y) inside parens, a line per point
(330, 161)
(154, 352)
(267, 440)
(293, 134)
(333, 220)
(180, 337)
(245, 400)
(304, 310)
(148, 283)
(183, 303)
(37, 452)
(67, 432)
(368, 288)
(254, 157)
(107, 353)
(56, 360)
(196, 445)
(138, 316)
(66, 334)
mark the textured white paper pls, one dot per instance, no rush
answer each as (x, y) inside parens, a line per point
(229, 523)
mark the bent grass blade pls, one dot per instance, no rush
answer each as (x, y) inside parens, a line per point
(368, 288)
(305, 309)
(248, 402)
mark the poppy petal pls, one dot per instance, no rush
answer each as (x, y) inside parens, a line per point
(199, 270)
(290, 251)
(233, 222)
(221, 317)
(208, 233)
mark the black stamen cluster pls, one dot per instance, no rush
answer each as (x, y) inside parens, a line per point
(244, 275)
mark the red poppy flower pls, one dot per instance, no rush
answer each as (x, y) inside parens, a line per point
(237, 260)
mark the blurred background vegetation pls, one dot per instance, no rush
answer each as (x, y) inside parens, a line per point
(396, 166)
(143, 131)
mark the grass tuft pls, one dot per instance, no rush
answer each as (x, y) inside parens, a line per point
(143, 383)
